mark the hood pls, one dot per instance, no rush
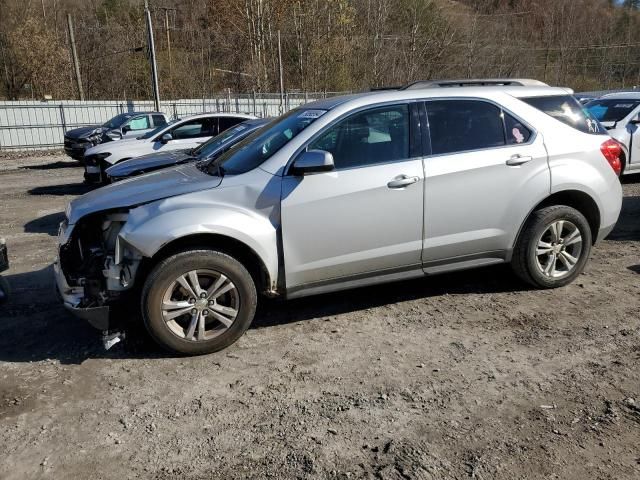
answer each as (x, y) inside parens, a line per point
(108, 146)
(147, 163)
(144, 189)
(82, 132)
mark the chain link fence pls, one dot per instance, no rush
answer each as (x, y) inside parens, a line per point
(41, 125)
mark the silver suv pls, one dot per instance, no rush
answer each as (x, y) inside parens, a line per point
(341, 193)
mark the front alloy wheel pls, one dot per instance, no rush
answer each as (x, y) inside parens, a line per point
(198, 301)
(200, 305)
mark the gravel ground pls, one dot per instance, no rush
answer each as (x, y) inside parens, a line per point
(468, 375)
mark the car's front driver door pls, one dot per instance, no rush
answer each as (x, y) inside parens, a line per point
(364, 217)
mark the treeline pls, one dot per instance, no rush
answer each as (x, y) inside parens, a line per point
(207, 46)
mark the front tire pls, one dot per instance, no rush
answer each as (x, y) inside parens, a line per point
(553, 247)
(198, 301)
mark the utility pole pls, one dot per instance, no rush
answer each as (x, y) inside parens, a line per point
(166, 27)
(74, 55)
(152, 57)
(281, 79)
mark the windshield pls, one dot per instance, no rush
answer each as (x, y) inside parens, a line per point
(213, 144)
(116, 121)
(156, 130)
(612, 110)
(263, 143)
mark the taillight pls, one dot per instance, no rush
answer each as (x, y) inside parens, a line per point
(612, 151)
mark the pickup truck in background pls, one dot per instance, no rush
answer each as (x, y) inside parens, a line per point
(124, 125)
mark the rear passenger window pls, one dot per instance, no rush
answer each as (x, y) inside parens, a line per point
(228, 122)
(374, 136)
(462, 125)
(159, 120)
(516, 131)
(568, 110)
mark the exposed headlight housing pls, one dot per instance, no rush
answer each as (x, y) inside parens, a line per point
(93, 160)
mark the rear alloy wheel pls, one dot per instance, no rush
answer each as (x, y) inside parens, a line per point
(198, 302)
(558, 249)
(553, 248)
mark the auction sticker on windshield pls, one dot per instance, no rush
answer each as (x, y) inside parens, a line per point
(312, 113)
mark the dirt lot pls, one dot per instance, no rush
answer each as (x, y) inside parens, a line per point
(469, 375)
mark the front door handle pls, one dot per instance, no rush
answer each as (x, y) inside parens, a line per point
(402, 181)
(517, 160)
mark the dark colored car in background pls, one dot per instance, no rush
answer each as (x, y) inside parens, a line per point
(207, 151)
(125, 125)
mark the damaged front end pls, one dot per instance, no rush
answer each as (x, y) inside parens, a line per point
(95, 267)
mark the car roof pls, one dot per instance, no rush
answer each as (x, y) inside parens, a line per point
(131, 114)
(396, 94)
(623, 95)
(218, 114)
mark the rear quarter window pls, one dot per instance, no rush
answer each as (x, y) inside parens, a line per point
(568, 110)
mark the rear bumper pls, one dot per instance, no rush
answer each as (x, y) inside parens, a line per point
(604, 232)
(98, 317)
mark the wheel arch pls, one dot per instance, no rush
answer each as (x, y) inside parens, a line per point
(213, 241)
(581, 201)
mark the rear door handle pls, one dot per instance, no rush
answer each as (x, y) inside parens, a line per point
(518, 159)
(402, 181)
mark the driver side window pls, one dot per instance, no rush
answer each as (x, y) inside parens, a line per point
(138, 123)
(375, 136)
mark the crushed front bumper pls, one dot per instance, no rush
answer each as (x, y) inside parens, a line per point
(98, 317)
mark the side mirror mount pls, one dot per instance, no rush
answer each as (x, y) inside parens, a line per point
(313, 161)
(635, 120)
(126, 128)
(114, 134)
(167, 137)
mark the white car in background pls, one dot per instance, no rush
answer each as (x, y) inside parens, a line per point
(619, 113)
(182, 134)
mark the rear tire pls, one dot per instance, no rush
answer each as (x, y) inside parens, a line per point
(182, 306)
(553, 247)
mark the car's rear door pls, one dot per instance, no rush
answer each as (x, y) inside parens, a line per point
(366, 215)
(486, 170)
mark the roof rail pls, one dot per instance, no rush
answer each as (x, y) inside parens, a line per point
(378, 89)
(475, 82)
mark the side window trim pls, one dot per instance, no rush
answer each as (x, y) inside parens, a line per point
(426, 132)
(532, 138)
(335, 121)
(415, 134)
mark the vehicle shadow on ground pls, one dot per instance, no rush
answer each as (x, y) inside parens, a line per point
(65, 189)
(47, 224)
(52, 166)
(628, 226)
(34, 325)
(496, 279)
